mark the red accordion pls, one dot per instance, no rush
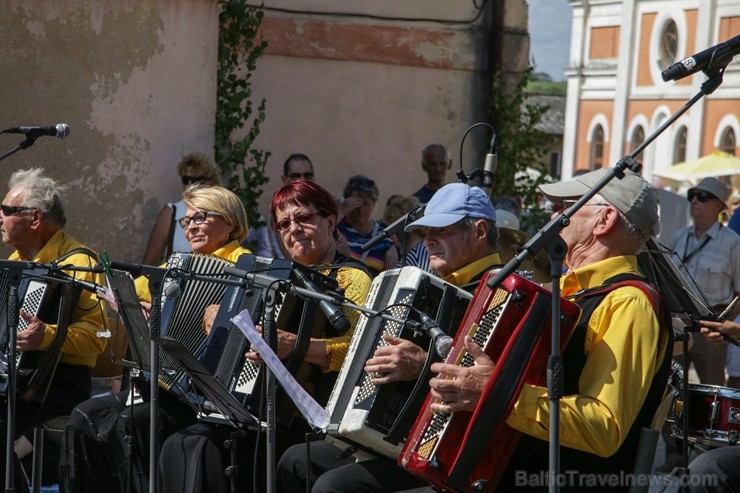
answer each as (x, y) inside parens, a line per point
(468, 452)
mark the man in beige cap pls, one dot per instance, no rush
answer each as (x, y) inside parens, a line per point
(615, 363)
(709, 253)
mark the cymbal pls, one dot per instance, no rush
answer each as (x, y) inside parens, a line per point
(511, 241)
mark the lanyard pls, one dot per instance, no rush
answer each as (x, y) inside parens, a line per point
(686, 256)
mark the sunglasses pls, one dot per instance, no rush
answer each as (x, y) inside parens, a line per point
(187, 180)
(297, 176)
(197, 218)
(12, 210)
(700, 196)
(303, 218)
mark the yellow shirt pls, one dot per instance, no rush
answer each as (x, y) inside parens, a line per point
(82, 344)
(356, 284)
(624, 347)
(231, 251)
(468, 272)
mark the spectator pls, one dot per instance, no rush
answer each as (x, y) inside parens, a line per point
(165, 236)
(357, 227)
(435, 161)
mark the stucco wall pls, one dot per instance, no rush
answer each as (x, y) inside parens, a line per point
(362, 88)
(134, 80)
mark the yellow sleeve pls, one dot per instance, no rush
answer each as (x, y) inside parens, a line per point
(83, 342)
(624, 347)
(356, 284)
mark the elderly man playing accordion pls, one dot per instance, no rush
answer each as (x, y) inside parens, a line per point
(462, 240)
(32, 222)
(616, 362)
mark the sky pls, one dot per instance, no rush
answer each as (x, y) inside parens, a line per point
(549, 32)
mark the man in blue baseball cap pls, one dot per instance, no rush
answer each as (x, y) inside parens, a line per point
(462, 240)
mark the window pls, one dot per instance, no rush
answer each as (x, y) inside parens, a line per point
(728, 142)
(597, 148)
(668, 48)
(679, 151)
(638, 137)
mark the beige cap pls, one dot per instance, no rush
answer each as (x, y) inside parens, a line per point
(632, 195)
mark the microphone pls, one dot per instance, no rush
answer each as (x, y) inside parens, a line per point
(60, 130)
(172, 290)
(489, 166)
(717, 56)
(442, 342)
(337, 319)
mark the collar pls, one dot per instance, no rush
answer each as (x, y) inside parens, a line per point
(595, 274)
(464, 275)
(49, 252)
(227, 250)
(712, 232)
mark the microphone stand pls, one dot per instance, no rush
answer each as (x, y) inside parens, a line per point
(396, 228)
(28, 142)
(549, 238)
(14, 271)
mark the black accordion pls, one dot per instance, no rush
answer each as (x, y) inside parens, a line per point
(53, 302)
(226, 345)
(377, 418)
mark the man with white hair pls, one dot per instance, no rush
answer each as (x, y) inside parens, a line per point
(617, 360)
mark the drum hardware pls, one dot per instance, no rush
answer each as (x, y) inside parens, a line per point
(713, 420)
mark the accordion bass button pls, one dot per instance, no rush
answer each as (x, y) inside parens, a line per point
(479, 485)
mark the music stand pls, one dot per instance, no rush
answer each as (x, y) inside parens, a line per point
(224, 401)
(121, 286)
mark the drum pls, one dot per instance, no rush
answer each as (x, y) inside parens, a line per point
(714, 415)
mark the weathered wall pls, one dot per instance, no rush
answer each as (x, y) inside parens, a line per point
(362, 87)
(134, 80)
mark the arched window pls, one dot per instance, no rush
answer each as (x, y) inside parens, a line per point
(668, 49)
(638, 137)
(679, 150)
(597, 148)
(728, 142)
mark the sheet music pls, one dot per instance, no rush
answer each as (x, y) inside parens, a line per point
(316, 415)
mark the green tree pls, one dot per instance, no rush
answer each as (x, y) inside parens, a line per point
(239, 47)
(520, 146)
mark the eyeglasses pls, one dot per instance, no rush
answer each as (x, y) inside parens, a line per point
(701, 196)
(297, 176)
(303, 218)
(187, 180)
(12, 210)
(198, 218)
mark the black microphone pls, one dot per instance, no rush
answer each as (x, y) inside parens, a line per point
(337, 319)
(172, 290)
(717, 56)
(60, 130)
(442, 342)
(489, 167)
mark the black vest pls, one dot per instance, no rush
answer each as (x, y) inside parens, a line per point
(532, 454)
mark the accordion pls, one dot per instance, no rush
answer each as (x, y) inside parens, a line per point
(464, 451)
(51, 301)
(226, 345)
(182, 315)
(376, 418)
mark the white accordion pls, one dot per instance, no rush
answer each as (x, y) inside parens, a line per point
(377, 418)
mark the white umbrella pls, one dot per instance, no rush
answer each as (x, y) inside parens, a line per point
(715, 164)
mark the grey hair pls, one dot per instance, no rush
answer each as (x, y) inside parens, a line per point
(469, 222)
(633, 235)
(41, 192)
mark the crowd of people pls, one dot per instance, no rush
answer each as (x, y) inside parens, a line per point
(616, 364)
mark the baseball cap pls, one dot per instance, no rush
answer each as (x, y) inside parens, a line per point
(452, 203)
(713, 186)
(505, 219)
(631, 195)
